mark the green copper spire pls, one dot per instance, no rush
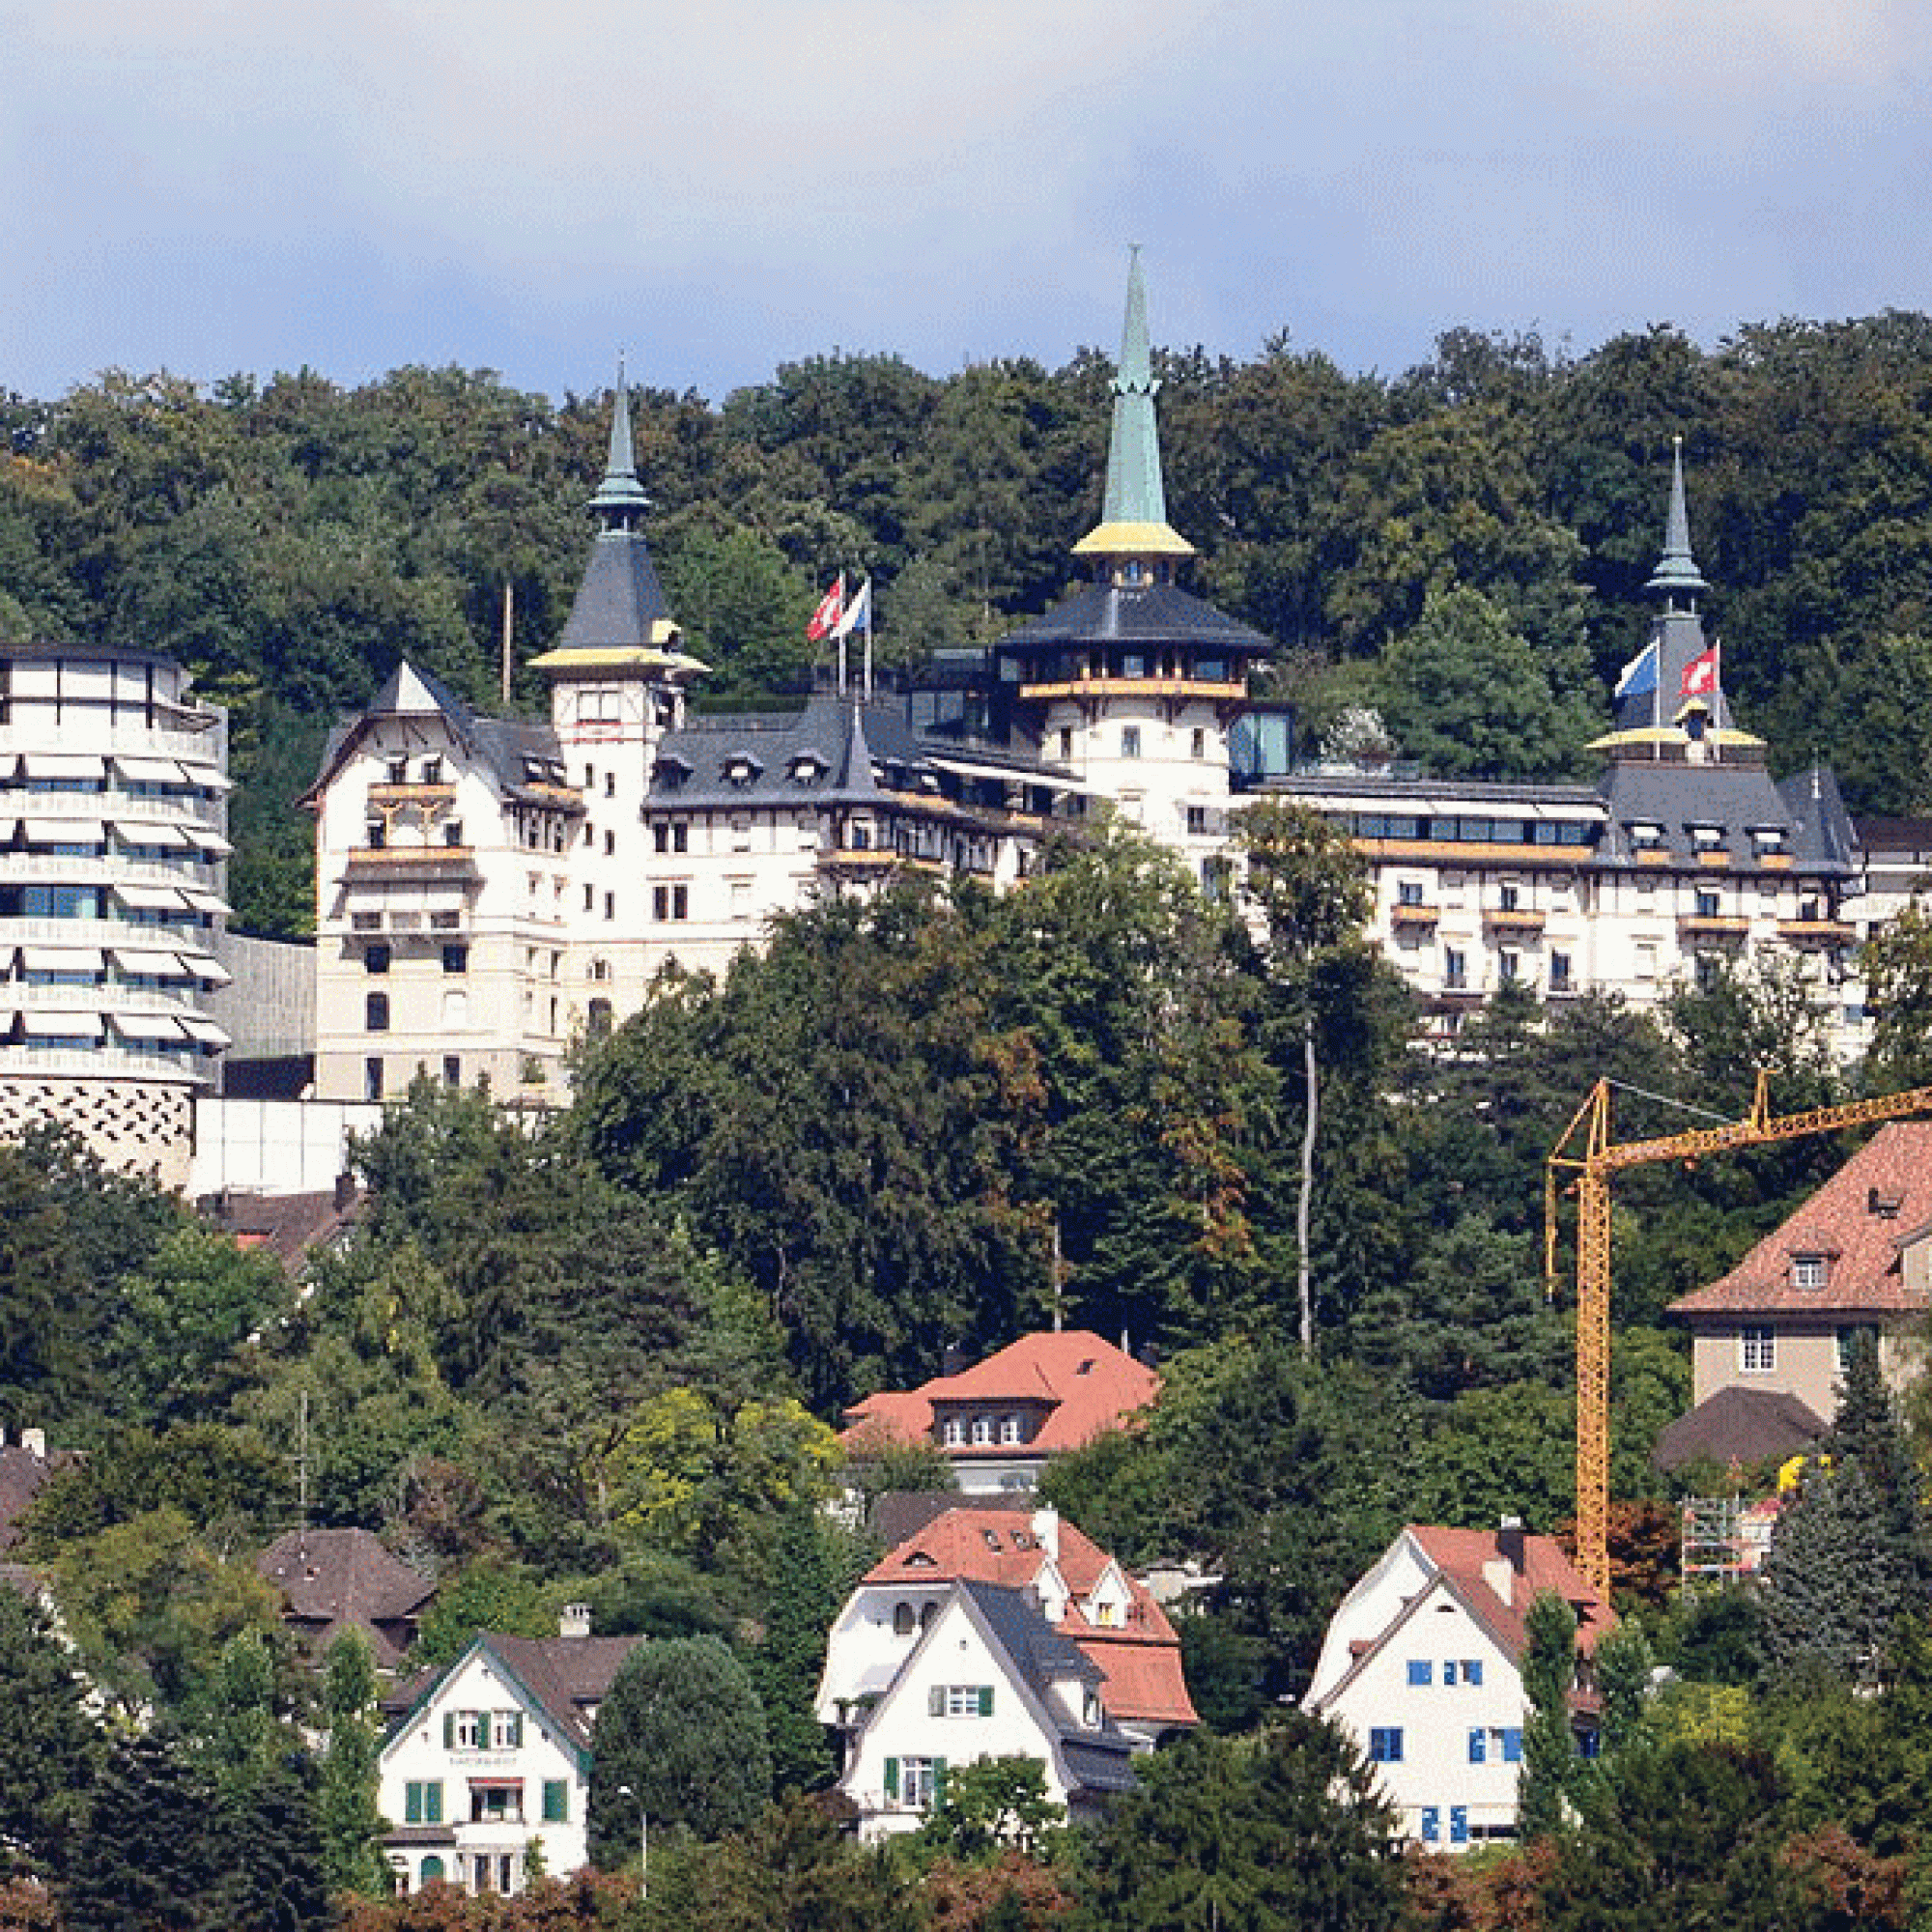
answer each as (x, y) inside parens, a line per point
(1133, 518)
(620, 498)
(1677, 569)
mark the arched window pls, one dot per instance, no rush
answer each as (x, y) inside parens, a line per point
(376, 1012)
(902, 1620)
(432, 1867)
(926, 1615)
(599, 1022)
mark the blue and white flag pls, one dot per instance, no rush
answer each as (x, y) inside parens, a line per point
(1639, 677)
(857, 612)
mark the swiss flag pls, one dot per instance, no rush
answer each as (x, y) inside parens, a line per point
(831, 608)
(1701, 675)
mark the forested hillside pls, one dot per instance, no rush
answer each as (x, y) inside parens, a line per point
(290, 539)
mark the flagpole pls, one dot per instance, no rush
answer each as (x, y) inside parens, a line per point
(868, 641)
(842, 637)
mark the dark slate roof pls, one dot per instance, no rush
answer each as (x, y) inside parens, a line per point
(1739, 1424)
(569, 1676)
(1042, 1656)
(846, 743)
(620, 600)
(1738, 797)
(1422, 793)
(21, 1474)
(520, 756)
(899, 1515)
(1137, 613)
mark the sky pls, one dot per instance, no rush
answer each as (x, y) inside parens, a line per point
(722, 185)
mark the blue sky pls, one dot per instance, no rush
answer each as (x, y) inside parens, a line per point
(210, 185)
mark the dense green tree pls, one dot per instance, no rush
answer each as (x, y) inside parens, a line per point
(148, 1858)
(681, 1736)
(347, 1815)
(992, 1803)
(1897, 965)
(810, 1586)
(1282, 1828)
(48, 1741)
(1549, 1773)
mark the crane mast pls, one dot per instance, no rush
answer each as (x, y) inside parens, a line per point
(1586, 1153)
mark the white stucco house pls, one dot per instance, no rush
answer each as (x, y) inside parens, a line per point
(1422, 1666)
(983, 1676)
(493, 1757)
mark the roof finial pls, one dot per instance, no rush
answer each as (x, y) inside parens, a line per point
(620, 496)
(1133, 515)
(1677, 569)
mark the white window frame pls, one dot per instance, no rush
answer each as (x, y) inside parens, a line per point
(1757, 1349)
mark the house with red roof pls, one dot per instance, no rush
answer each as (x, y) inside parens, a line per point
(335, 1580)
(998, 1421)
(1855, 1260)
(1422, 1665)
(1071, 1662)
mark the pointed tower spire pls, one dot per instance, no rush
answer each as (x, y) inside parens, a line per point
(620, 498)
(1677, 569)
(1133, 516)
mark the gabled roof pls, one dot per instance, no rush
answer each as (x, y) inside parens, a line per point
(288, 1226)
(1139, 1661)
(1087, 1384)
(1459, 1556)
(1739, 1424)
(563, 1679)
(1860, 1220)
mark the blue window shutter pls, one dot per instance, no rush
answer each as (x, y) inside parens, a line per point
(1479, 1744)
(1431, 1824)
(1459, 1824)
(1512, 1747)
(1472, 1671)
(1448, 1670)
(892, 1778)
(1419, 1671)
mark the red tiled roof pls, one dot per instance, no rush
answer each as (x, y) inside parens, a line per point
(1140, 1661)
(1461, 1555)
(1858, 1221)
(1088, 1384)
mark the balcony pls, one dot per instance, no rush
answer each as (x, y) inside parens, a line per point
(374, 865)
(1818, 931)
(1726, 926)
(1514, 919)
(1219, 691)
(1413, 911)
(436, 797)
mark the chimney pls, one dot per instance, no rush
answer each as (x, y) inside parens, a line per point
(952, 1359)
(574, 1620)
(1046, 1530)
(1501, 1570)
(34, 1442)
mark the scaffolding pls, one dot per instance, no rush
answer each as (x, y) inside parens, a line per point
(1711, 1547)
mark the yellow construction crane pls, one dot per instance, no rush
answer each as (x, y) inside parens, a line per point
(1598, 1158)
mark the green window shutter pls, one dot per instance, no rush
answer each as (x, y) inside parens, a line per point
(892, 1778)
(985, 1700)
(482, 1730)
(449, 1730)
(939, 1780)
(433, 1802)
(413, 1804)
(556, 1801)
(935, 1701)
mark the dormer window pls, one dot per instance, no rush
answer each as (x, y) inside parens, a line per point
(808, 768)
(741, 768)
(399, 771)
(1811, 1270)
(1707, 838)
(1768, 837)
(1645, 837)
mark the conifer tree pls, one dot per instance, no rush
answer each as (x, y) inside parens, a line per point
(49, 1747)
(1548, 1746)
(351, 1826)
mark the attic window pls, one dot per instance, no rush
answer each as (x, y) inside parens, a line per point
(1884, 1205)
(1768, 837)
(1810, 1270)
(535, 771)
(1644, 835)
(992, 1537)
(741, 769)
(1707, 838)
(1086, 1368)
(808, 768)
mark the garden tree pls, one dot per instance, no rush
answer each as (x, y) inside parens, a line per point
(272, 1861)
(346, 1816)
(48, 1741)
(1467, 697)
(794, 1869)
(680, 1736)
(1308, 887)
(1624, 1661)
(148, 1858)
(1836, 1580)
(240, 1736)
(1282, 1828)
(1284, 1481)
(43, 1370)
(1549, 1745)
(652, 1594)
(991, 1805)
(187, 1319)
(496, 1593)
(1897, 961)
(1685, 1834)
(1497, 1452)
(816, 1564)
